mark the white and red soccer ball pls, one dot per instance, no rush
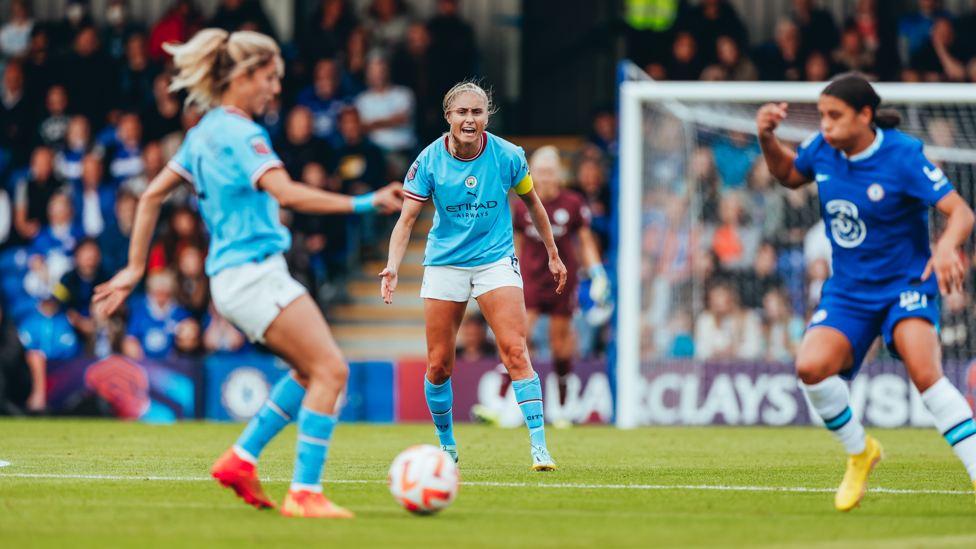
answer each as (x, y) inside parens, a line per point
(424, 479)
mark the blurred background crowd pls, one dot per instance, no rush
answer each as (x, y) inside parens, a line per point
(86, 121)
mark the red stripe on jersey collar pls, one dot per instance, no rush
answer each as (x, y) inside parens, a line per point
(484, 145)
(231, 109)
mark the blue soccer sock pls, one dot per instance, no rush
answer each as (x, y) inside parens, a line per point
(279, 410)
(314, 436)
(440, 399)
(528, 393)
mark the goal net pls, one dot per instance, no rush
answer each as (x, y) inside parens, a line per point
(719, 267)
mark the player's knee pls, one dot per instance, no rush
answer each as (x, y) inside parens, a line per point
(331, 373)
(811, 371)
(438, 370)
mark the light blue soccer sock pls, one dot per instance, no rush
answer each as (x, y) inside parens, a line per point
(440, 399)
(279, 410)
(528, 393)
(314, 437)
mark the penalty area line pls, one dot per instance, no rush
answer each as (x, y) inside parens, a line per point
(505, 484)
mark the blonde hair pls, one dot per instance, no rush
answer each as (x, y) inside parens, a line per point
(454, 93)
(213, 57)
(548, 152)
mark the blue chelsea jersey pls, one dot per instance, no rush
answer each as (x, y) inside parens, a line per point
(875, 206)
(473, 222)
(224, 156)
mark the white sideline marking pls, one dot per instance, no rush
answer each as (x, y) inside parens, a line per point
(513, 484)
(4, 463)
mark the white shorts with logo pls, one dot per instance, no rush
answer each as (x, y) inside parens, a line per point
(250, 296)
(459, 283)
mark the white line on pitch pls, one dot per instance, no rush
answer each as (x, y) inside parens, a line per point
(4, 463)
(513, 484)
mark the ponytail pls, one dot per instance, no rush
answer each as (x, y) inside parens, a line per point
(887, 119)
(213, 57)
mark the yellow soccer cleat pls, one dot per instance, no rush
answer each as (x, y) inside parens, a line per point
(855, 481)
(302, 503)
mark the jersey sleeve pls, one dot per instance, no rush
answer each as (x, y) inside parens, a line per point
(585, 216)
(254, 154)
(923, 179)
(180, 163)
(417, 184)
(804, 156)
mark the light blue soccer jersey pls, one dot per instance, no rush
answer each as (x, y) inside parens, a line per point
(473, 223)
(224, 156)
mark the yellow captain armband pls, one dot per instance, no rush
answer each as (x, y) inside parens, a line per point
(525, 185)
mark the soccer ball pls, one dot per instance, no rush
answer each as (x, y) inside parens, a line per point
(424, 479)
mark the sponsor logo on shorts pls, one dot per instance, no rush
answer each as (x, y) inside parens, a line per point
(515, 265)
(818, 317)
(912, 301)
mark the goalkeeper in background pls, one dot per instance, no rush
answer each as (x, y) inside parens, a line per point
(570, 220)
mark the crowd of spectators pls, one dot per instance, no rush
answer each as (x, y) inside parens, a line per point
(86, 121)
(734, 263)
(709, 41)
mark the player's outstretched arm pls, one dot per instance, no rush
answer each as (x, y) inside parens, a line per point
(398, 247)
(110, 295)
(778, 158)
(308, 199)
(541, 222)
(945, 262)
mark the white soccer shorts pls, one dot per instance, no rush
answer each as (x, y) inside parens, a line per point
(250, 296)
(449, 283)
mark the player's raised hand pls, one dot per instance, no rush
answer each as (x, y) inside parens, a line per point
(389, 284)
(558, 271)
(769, 116)
(389, 199)
(948, 269)
(110, 295)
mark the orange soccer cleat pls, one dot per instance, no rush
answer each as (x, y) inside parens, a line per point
(241, 476)
(302, 503)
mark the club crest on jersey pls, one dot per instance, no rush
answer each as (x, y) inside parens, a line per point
(471, 182)
(560, 216)
(259, 145)
(876, 192)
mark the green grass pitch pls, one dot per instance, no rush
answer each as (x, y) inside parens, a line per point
(597, 511)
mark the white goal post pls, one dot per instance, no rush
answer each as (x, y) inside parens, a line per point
(693, 101)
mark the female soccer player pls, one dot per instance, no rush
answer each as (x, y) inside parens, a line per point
(875, 190)
(569, 217)
(240, 183)
(470, 254)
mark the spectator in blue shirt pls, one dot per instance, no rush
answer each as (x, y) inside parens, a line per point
(46, 335)
(67, 163)
(322, 98)
(153, 320)
(56, 241)
(114, 239)
(914, 28)
(76, 288)
(734, 156)
(94, 198)
(125, 160)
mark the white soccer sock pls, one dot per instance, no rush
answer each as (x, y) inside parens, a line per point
(831, 400)
(954, 419)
